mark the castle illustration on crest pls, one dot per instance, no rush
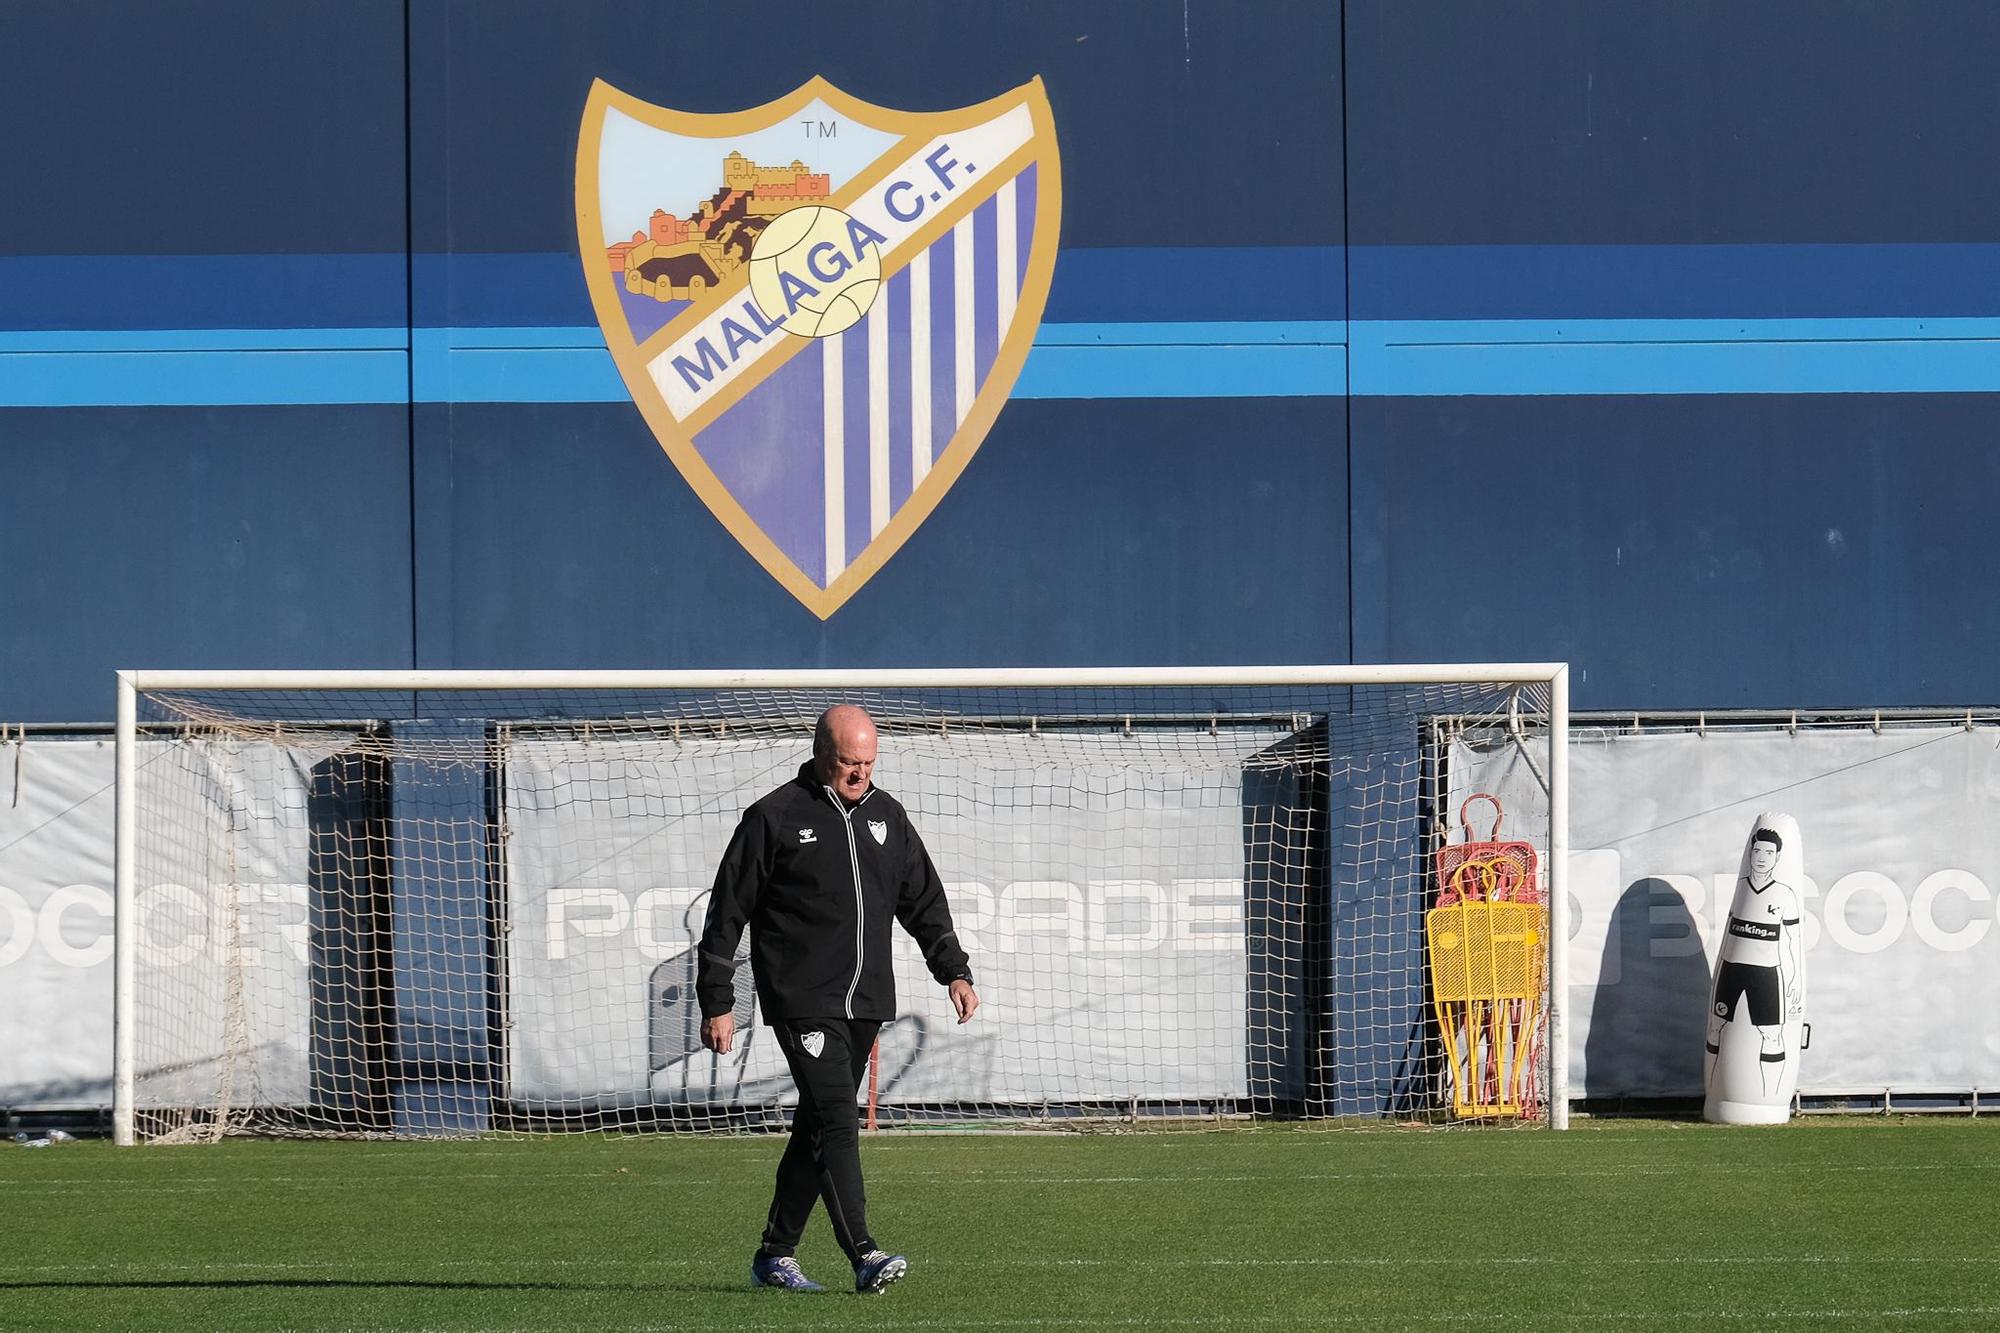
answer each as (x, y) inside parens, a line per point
(680, 258)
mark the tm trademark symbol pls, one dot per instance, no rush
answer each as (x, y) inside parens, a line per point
(820, 129)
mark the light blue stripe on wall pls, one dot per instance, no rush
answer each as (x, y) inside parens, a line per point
(503, 365)
(1068, 361)
(571, 365)
(202, 367)
(64, 368)
(202, 378)
(1219, 360)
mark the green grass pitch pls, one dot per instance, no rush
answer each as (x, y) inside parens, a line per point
(1847, 1224)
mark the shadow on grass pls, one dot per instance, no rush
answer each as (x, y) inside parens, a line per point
(359, 1284)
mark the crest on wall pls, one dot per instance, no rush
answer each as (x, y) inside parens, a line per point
(819, 305)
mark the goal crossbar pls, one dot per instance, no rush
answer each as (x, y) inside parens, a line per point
(861, 678)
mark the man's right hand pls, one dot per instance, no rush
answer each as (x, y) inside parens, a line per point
(719, 1033)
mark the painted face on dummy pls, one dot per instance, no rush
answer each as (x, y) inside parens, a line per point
(1763, 860)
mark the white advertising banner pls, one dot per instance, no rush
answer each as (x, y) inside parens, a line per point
(1901, 833)
(223, 1007)
(57, 926)
(1108, 929)
(1137, 955)
(55, 923)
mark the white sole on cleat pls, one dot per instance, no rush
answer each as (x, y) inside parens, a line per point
(891, 1272)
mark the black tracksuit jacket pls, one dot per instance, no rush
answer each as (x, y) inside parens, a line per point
(818, 882)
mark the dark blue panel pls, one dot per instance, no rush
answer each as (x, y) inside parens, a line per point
(1698, 552)
(247, 291)
(1637, 121)
(502, 290)
(1219, 283)
(1082, 533)
(1675, 281)
(1137, 284)
(232, 125)
(1185, 531)
(197, 537)
(1109, 285)
(1209, 122)
(1379, 1054)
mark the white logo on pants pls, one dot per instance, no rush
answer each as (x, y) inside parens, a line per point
(814, 1042)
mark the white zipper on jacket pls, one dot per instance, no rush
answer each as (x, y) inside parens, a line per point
(860, 906)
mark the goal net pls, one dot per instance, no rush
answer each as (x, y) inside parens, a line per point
(416, 904)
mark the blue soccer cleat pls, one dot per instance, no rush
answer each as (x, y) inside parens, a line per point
(780, 1271)
(877, 1270)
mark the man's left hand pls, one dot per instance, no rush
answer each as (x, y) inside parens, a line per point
(964, 999)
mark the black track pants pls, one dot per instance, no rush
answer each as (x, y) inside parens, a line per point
(823, 1158)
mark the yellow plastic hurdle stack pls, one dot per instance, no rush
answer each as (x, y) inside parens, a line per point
(1486, 981)
(1488, 953)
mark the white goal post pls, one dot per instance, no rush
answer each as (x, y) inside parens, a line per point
(423, 903)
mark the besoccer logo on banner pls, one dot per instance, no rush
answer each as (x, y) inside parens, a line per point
(819, 305)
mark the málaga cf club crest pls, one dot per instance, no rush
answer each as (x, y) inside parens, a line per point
(818, 304)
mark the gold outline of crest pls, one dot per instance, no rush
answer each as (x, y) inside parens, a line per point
(677, 436)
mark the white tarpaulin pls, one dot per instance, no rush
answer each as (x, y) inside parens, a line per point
(1901, 835)
(1902, 853)
(1106, 934)
(56, 924)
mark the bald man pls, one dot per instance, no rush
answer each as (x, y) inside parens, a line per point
(817, 870)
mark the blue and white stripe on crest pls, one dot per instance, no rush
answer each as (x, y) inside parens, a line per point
(888, 413)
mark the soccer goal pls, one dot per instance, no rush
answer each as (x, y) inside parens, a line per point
(434, 903)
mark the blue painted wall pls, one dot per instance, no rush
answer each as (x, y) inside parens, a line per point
(1660, 338)
(1697, 274)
